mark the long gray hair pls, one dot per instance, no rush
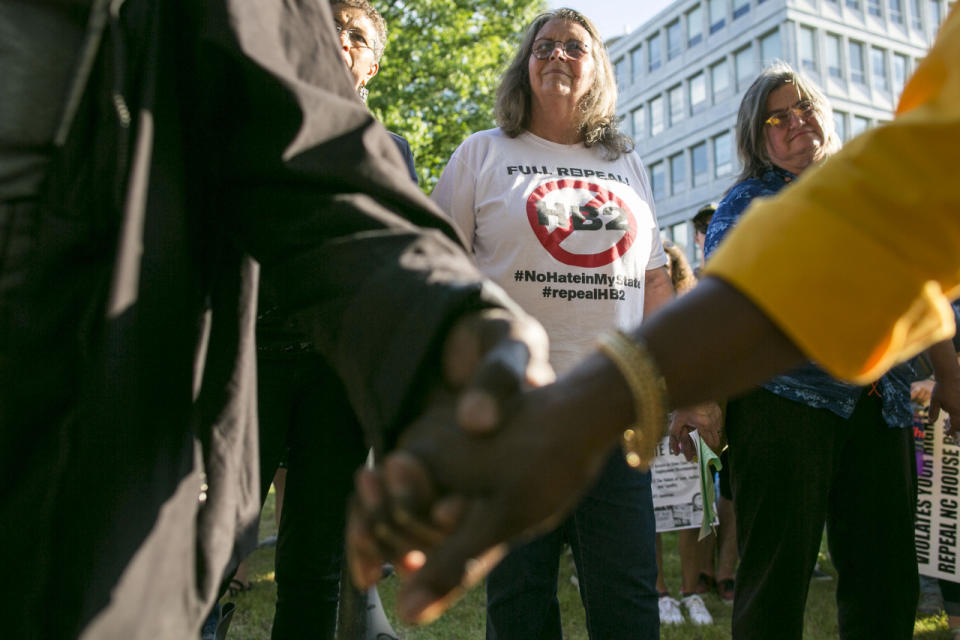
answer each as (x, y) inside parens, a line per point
(751, 119)
(598, 119)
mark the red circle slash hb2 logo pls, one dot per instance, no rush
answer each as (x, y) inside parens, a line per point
(580, 223)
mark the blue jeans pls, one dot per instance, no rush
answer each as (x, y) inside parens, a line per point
(611, 533)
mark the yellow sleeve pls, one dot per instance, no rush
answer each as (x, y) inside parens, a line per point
(857, 261)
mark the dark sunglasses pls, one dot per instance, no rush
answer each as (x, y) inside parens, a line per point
(573, 49)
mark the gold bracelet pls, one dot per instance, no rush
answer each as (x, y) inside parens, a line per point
(649, 391)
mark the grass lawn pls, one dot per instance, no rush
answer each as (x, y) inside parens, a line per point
(465, 621)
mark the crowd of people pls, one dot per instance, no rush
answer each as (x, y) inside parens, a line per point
(188, 302)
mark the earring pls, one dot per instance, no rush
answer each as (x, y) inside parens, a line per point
(364, 92)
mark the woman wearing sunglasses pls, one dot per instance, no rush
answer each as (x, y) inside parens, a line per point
(806, 449)
(557, 209)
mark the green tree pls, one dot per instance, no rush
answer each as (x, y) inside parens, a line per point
(438, 78)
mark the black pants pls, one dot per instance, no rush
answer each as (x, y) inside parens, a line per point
(792, 468)
(304, 407)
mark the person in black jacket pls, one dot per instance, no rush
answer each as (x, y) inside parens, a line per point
(152, 155)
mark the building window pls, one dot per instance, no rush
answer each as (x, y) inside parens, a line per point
(694, 26)
(853, 4)
(674, 40)
(770, 47)
(895, 11)
(840, 124)
(678, 174)
(935, 17)
(678, 232)
(856, 62)
(636, 64)
(698, 92)
(637, 122)
(718, 15)
(656, 115)
(620, 72)
(675, 101)
(740, 7)
(873, 7)
(899, 72)
(698, 154)
(744, 67)
(653, 51)
(806, 48)
(878, 63)
(658, 180)
(860, 124)
(834, 61)
(722, 154)
(916, 20)
(720, 78)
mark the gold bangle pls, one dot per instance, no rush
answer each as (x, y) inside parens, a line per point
(649, 391)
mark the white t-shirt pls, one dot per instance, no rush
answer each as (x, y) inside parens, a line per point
(568, 234)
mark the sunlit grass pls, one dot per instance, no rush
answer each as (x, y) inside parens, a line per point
(466, 620)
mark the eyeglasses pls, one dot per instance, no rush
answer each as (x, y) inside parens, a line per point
(573, 49)
(354, 36)
(781, 119)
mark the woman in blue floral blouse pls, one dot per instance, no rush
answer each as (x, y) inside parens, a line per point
(806, 449)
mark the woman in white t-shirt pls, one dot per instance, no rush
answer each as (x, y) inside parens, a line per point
(557, 208)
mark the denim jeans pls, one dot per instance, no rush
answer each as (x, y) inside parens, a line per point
(611, 533)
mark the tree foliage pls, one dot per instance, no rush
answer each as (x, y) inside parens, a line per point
(438, 77)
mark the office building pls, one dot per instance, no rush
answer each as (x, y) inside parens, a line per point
(682, 75)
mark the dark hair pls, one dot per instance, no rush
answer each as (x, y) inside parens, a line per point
(598, 109)
(702, 220)
(375, 18)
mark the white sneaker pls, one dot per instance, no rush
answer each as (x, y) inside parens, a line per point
(670, 611)
(696, 610)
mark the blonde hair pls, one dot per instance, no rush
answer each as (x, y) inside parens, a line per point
(598, 120)
(752, 116)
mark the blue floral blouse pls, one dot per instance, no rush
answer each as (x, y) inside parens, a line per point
(808, 383)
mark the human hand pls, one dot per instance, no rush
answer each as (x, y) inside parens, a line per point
(515, 482)
(706, 418)
(491, 356)
(921, 391)
(945, 395)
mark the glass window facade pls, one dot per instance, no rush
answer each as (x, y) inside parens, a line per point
(658, 180)
(698, 158)
(656, 115)
(674, 40)
(806, 48)
(722, 154)
(834, 58)
(878, 64)
(720, 78)
(770, 47)
(694, 26)
(675, 102)
(698, 91)
(745, 67)
(855, 54)
(636, 64)
(840, 124)
(718, 15)
(678, 173)
(654, 53)
(637, 122)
